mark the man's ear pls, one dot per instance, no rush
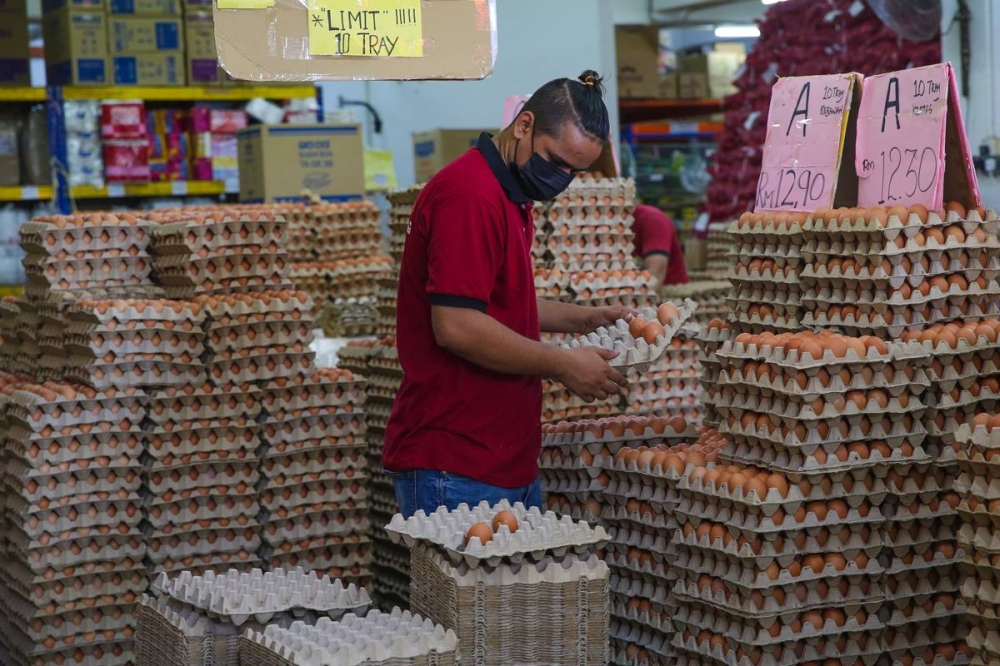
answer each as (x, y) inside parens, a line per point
(524, 124)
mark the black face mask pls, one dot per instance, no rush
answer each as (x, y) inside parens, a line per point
(540, 179)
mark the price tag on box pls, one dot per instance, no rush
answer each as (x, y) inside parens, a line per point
(912, 146)
(809, 133)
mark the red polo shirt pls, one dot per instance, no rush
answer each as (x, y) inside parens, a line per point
(655, 234)
(468, 245)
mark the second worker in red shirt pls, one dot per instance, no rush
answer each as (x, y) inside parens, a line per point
(466, 423)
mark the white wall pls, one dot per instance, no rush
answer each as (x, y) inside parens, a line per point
(539, 40)
(981, 109)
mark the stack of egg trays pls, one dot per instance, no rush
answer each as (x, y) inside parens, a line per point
(29, 323)
(314, 475)
(87, 253)
(134, 342)
(201, 474)
(345, 230)
(640, 499)
(978, 489)
(299, 238)
(631, 288)
(398, 638)
(589, 226)
(228, 250)
(391, 561)
(767, 260)
(872, 271)
(73, 552)
(400, 206)
(14, 341)
(198, 620)
(781, 578)
(710, 295)
(250, 337)
(538, 595)
(671, 386)
(715, 333)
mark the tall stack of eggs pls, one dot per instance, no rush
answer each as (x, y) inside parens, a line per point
(583, 254)
(400, 206)
(640, 500)
(671, 385)
(390, 561)
(767, 261)
(976, 485)
(72, 548)
(928, 277)
(814, 422)
(710, 295)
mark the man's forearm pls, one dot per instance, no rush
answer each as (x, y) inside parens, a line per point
(483, 341)
(556, 317)
(657, 264)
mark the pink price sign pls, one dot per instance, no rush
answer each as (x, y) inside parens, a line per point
(912, 145)
(901, 134)
(806, 127)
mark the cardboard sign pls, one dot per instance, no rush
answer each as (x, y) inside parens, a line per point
(367, 28)
(810, 132)
(912, 145)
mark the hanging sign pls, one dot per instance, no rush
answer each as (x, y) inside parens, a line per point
(367, 28)
(809, 149)
(912, 145)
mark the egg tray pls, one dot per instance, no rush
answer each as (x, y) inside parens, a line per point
(325, 477)
(918, 614)
(215, 563)
(885, 301)
(203, 475)
(797, 409)
(267, 335)
(753, 522)
(343, 445)
(290, 495)
(744, 378)
(161, 515)
(600, 433)
(178, 236)
(89, 483)
(861, 649)
(797, 466)
(105, 267)
(849, 430)
(104, 376)
(899, 355)
(55, 628)
(146, 345)
(97, 449)
(537, 534)
(181, 287)
(351, 528)
(656, 643)
(108, 647)
(321, 558)
(314, 427)
(92, 550)
(876, 279)
(349, 462)
(307, 395)
(266, 363)
(61, 520)
(894, 326)
(40, 238)
(197, 545)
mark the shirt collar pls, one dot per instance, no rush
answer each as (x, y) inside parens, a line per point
(500, 170)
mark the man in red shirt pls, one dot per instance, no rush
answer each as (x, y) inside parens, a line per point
(466, 423)
(656, 243)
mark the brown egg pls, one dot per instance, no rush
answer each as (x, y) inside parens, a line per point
(651, 332)
(636, 326)
(505, 518)
(479, 531)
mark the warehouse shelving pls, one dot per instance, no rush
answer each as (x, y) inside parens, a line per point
(640, 110)
(190, 93)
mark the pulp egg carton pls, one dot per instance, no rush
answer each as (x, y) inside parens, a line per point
(330, 390)
(894, 378)
(397, 638)
(201, 565)
(205, 405)
(63, 521)
(160, 514)
(290, 493)
(938, 606)
(615, 430)
(84, 232)
(344, 524)
(829, 406)
(700, 647)
(855, 457)
(33, 488)
(81, 551)
(250, 363)
(635, 643)
(239, 475)
(185, 444)
(568, 600)
(193, 541)
(314, 428)
(324, 463)
(537, 534)
(344, 558)
(941, 295)
(914, 588)
(654, 616)
(812, 434)
(186, 232)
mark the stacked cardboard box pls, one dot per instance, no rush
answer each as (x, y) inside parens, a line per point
(397, 638)
(76, 42)
(15, 54)
(476, 585)
(198, 620)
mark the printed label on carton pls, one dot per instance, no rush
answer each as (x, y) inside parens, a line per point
(383, 29)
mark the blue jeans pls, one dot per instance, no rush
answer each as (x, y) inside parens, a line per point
(428, 490)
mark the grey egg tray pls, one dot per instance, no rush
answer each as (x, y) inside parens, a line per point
(636, 352)
(236, 597)
(537, 534)
(398, 638)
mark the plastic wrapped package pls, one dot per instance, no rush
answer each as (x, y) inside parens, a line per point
(35, 168)
(287, 40)
(84, 155)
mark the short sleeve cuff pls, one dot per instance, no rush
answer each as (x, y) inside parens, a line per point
(458, 302)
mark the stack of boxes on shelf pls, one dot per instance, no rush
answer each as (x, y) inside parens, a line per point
(209, 405)
(215, 153)
(15, 52)
(128, 43)
(336, 249)
(515, 585)
(126, 141)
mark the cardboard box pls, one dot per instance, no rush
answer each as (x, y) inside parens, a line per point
(202, 58)
(142, 34)
(15, 71)
(14, 34)
(271, 45)
(669, 86)
(56, 5)
(278, 162)
(637, 49)
(692, 86)
(437, 148)
(143, 7)
(149, 69)
(695, 253)
(76, 47)
(719, 67)
(10, 165)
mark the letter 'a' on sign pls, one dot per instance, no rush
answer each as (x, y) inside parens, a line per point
(366, 28)
(808, 160)
(912, 146)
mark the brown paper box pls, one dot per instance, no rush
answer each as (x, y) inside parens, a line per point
(433, 150)
(272, 45)
(692, 86)
(637, 49)
(76, 47)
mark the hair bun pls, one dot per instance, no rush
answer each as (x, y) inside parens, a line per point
(592, 79)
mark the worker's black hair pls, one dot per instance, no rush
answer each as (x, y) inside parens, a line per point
(580, 102)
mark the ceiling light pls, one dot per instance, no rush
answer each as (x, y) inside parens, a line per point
(737, 31)
(771, 2)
